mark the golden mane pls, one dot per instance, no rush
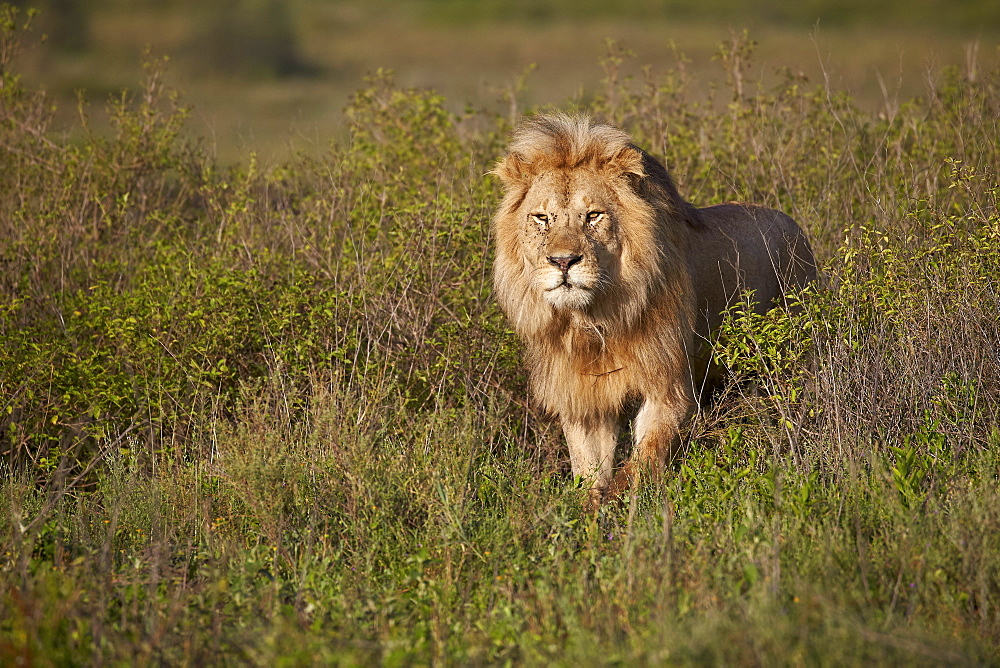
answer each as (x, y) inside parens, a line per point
(565, 142)
(638, 329)
(561, 141)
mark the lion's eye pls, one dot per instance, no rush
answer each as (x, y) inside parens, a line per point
(540, 219)
(594, 217)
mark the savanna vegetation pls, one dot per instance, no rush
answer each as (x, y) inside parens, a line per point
(271, 414)
(272, 76)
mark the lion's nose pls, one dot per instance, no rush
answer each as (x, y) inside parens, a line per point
(564, 262)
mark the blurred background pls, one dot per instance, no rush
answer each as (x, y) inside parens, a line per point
(272, 76)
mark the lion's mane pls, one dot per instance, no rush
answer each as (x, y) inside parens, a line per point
(639, 330)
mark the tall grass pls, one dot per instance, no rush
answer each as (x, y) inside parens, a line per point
(274, 415)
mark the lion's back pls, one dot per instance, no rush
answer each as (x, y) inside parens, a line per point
(741, 247)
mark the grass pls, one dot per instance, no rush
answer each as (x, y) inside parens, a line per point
(261, 100)
(270, 413)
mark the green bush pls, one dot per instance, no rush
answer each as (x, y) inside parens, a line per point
(274, 415)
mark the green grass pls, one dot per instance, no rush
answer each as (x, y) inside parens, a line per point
(270, 413)
(273, 77)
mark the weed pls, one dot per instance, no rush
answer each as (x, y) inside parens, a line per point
(272, 414)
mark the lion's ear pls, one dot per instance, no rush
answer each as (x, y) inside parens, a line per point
(512, 170)
(629, 160)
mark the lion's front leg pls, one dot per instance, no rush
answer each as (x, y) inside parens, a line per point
(592, 451)
(657, 440)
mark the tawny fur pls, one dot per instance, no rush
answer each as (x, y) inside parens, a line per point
(616, 284)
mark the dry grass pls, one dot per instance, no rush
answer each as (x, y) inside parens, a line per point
(476, 64)
(270, 414)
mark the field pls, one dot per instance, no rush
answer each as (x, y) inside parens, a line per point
(271, 77)
(266, 411)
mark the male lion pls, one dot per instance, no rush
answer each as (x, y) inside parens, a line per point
(616, 285)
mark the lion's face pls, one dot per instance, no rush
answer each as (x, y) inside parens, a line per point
(570, 235)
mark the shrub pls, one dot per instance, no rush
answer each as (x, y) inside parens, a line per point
(275, 414)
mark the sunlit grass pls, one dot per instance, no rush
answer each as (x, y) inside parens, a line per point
(270, 413)
(473, 62)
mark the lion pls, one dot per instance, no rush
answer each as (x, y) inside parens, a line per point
(616, 286)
